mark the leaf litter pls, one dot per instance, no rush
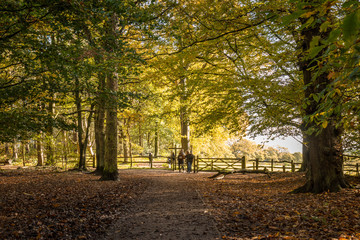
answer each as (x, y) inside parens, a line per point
(72, 205)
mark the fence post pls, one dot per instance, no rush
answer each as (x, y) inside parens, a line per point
(243, 163)
(272, 165)
(357, 169)
(257, 164)
(195, 164)
(253, 165)
(284, 168)
(292, 166)
(212, 164)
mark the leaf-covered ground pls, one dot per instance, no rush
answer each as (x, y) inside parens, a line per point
(259, 207)
(45, 204)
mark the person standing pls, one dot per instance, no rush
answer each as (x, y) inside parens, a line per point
(189, 160)
(181, 159)
(173, 158)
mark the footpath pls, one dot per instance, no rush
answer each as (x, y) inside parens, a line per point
(170, 208)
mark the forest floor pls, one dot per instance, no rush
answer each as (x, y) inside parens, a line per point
(43, 203)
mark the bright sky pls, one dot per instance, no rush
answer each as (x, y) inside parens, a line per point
(288, 142)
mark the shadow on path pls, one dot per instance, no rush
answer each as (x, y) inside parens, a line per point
(170, 208)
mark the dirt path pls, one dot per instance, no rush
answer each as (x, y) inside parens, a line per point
(170, 208)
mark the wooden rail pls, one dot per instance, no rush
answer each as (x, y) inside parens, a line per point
(235, 164)
(225, 164)
(154, 161)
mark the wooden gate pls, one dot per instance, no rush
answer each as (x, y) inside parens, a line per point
(219, 164)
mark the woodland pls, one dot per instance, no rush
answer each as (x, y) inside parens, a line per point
(107, 78)
(110, 78)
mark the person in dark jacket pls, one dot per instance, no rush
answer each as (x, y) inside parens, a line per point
(181, 159)
(189, 160)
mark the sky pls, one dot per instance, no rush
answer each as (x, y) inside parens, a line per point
(288, 142)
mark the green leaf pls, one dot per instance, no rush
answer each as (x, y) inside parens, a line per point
(324, 26)
(286, 20)
(315, 41)
(351, 25)
(315, 51)
(334, 35)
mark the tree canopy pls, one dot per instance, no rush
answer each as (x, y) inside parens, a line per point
(184, 72)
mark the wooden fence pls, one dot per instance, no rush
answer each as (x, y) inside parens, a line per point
(351, 166)
(235, 164)
(145, 161)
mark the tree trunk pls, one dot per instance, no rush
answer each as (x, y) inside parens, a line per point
(50, 134)
(7, 151)
(129, 140)
(124, 141)
(110, 171)
(87, 130)
(80, 130)
(141, 141)
(156, 149)
(306, 158)
(23, 145)
(125, 146)
(15, 151)
(65, 149)
(184, 117)
(324, 145)
(40, 153)
(99, 127)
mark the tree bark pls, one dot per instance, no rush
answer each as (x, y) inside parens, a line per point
(184, 117)
(324, 145)
(40, 153)
(50, 134)
(306, 158)
(15, 151)
(110, 171)
(124, 141)
(141, 140)
(156, 149)
(100, 127)
(80, 129)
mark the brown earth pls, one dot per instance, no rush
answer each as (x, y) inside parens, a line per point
(42, 203)
(170, 208)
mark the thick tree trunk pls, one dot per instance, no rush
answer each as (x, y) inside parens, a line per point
(324, 143)
(306, 158)
(110, 171)
(326, 162)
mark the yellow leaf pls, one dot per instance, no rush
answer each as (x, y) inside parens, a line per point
(324, 124)
(308, 14)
